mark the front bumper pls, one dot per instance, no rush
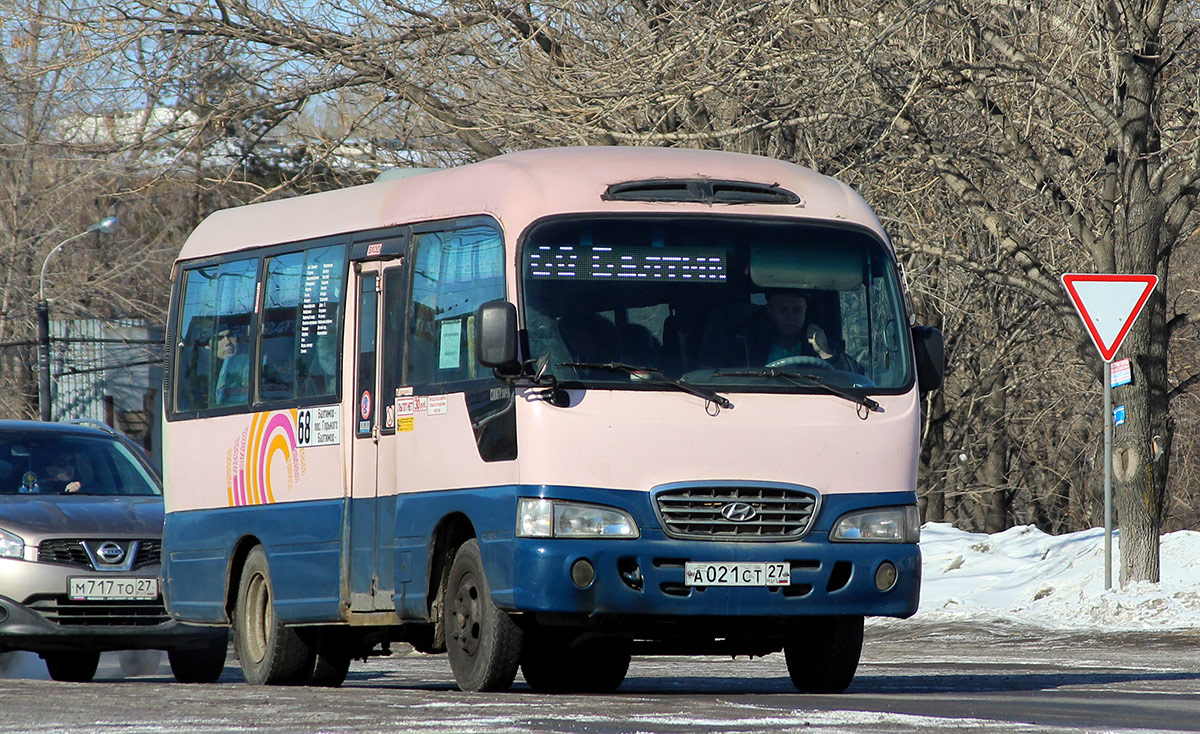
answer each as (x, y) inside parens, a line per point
(36, 615)
(646, 577)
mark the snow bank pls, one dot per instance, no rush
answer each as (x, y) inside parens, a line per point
(1023, 575)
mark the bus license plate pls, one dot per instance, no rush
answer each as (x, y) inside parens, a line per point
(738, 574)
(91, 588)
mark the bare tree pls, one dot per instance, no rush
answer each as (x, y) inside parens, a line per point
(1083, 155)
(1010, 142)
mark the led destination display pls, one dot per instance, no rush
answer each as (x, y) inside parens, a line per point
(629, 262)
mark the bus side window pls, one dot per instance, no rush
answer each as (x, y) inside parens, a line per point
(218, 302)
(277, 342)
(297, 348)
(454, 272)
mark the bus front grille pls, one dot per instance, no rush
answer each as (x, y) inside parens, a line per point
(735, 512)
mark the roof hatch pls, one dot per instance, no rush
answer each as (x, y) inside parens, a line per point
(702, 190)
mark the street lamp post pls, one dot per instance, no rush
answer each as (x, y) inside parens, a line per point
(106, 225)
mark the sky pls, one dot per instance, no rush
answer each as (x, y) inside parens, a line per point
(1020, 576)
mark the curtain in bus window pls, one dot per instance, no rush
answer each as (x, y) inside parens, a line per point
(212, 368)
(298, 351)
(453, 273)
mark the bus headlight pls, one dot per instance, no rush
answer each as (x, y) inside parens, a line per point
(879, 525)
(542, 518)
(11, 546)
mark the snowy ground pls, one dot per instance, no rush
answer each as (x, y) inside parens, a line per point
(1023, 575)
(1020, 576)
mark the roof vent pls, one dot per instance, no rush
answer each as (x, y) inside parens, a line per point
(702, 190)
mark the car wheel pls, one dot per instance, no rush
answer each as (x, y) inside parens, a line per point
(199, 664)
(73, 667)
(825, 657)
(482, 641)
(270, 653)
(551, 665)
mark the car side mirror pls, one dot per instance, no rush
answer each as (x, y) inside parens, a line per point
(496, 336)
(930, 357)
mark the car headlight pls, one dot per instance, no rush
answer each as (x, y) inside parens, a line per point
(879, 525)
(11, 545)
(542, 518)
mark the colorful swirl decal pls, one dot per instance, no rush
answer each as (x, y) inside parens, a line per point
(254, 454)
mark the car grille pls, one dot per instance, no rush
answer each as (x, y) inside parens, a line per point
(62, 610)
(70, 551)
(719, 513)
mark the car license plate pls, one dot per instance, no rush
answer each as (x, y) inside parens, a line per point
(738, 574)
(93, 588)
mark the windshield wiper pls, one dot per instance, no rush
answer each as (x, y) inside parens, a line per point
(653, 375)
(804, 380)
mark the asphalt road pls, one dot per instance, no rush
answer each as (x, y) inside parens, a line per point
(913, 678)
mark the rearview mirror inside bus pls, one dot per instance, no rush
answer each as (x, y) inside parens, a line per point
(496, 335)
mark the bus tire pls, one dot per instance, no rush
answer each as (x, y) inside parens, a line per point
(825, 657)
(270, 653)
(72, 667)
(199, 665)
(550, 665)
(482, 641)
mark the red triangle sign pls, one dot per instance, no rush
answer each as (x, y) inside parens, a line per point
(1108, 305)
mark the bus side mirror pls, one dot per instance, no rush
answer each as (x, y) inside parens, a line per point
(496, 335)
(931, 357)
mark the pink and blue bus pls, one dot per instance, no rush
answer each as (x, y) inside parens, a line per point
(543, 413)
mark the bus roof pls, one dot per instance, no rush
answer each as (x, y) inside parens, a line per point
(518, 188)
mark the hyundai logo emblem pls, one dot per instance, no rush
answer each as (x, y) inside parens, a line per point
(739, 512)
(110, 552)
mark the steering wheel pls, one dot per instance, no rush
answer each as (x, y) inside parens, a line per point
(800, 360)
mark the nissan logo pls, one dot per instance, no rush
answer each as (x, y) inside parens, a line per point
(739, 512)
(110, 552)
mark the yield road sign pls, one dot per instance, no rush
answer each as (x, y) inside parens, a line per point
(1108, 305)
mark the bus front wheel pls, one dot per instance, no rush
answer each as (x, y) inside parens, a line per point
(482, 641)
(270, 653)
(824, 657)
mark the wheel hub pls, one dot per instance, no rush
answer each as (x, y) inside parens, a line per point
(467, 615)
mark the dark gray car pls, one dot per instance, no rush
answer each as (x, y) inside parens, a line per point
(81, 518)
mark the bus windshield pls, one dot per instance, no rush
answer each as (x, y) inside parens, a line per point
(735, 303)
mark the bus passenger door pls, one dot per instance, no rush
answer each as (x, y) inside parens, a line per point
(372, 508)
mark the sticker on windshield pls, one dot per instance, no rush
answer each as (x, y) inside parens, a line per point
(450, 345)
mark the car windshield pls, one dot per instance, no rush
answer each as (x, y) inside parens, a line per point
(33, 462)
(738, 304)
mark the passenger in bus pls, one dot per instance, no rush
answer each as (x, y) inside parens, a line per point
(233, 374)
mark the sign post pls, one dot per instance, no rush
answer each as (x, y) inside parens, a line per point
(1108, 306)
